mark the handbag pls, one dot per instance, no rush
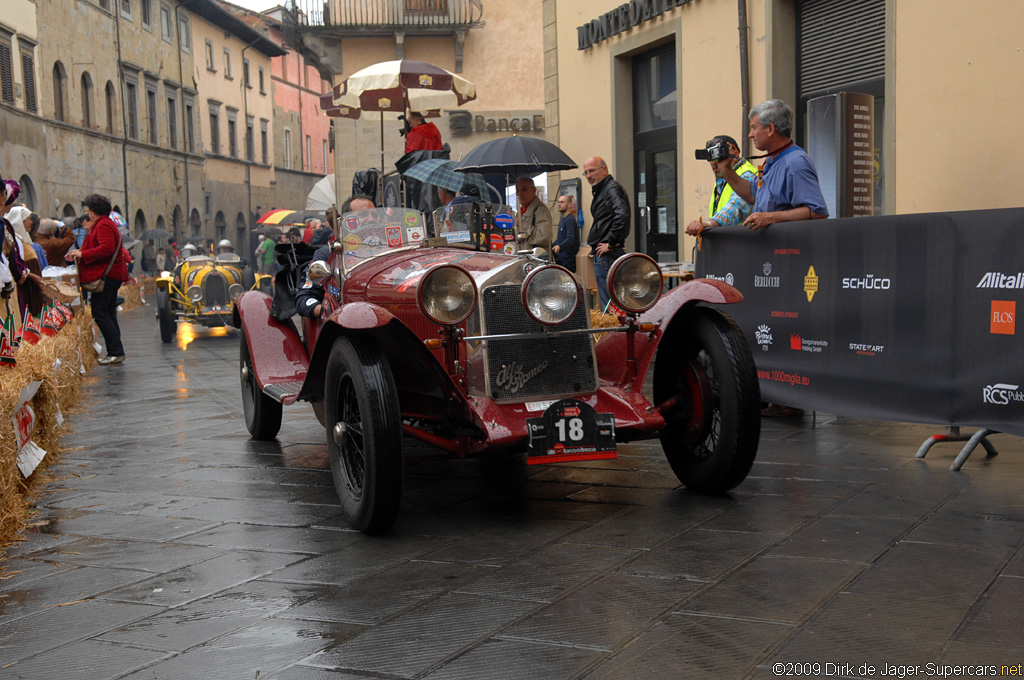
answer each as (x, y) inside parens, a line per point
(97, 285)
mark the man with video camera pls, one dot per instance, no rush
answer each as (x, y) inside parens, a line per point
(726, 207)
(786, 188)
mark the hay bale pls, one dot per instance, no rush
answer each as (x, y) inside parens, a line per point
(599, 319)
(59, 390)
(132, 294)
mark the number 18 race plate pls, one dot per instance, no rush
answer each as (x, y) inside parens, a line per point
(570, 430)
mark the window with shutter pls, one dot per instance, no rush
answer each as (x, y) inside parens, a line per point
(28, 75)
(6, 73)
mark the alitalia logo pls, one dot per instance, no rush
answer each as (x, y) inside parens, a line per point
(1001, 280)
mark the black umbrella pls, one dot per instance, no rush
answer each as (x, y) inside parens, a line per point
(516, 156)
(156, 235)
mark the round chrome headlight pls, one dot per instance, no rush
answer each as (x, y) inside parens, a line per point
(195, 293)
(634, 282)
(447, 294)
(550, 295)
(235, 290)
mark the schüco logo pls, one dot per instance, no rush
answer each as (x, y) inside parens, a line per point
(869, 282)
(1002, 394)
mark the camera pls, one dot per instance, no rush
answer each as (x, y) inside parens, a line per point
(405, 126)
(713, 152)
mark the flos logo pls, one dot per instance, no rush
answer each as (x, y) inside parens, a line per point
(1004, 317)
(766, 281)
(728, 278)
(763, 335)
(868, 282)
(1001, 394)
(1001, 280)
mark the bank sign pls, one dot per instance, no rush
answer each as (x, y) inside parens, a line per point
(622, 18)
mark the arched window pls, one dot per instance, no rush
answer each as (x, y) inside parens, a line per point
(196, 222)
(176, 222)
(110, 98)
(69, 211)
(60, 92)
(140, 223)
(241, 244)
(86, 100)
(220, 225)
(28, 193)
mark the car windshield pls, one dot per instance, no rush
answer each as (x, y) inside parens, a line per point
(492, 224)
(368, 233)
(227, 257)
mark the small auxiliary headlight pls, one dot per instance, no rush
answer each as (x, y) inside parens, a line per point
(195, 293)
(235, 290)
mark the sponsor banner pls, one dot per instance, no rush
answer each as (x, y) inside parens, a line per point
(903, 317)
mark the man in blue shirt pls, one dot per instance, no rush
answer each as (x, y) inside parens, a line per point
(786, 188)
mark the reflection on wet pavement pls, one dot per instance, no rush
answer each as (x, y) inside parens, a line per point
(173, 546)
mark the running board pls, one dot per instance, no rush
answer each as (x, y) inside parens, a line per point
(283, 393)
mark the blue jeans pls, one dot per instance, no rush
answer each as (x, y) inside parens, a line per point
(602, 263)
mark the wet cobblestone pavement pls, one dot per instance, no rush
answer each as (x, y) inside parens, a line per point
(175, 547)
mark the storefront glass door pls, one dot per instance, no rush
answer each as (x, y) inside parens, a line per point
(654, 143)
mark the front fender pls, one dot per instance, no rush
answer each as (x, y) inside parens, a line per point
(425, 388)
(669, 311)
(275, 348)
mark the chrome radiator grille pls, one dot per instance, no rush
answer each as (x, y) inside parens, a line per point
(529, 368)
(215, 290)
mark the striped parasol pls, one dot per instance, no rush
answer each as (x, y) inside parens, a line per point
(278, 217)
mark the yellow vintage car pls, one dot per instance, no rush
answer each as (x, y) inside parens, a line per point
(202, 290)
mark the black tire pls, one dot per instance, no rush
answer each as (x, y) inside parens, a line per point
(262, 414)
(168, 326)
(248, 278)
(364, 434)
(714, 427)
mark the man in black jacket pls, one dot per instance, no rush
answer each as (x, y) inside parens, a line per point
(610, 211)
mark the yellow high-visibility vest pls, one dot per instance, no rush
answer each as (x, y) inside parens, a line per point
(714, 206)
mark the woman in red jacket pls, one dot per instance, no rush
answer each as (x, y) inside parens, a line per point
(102, 245)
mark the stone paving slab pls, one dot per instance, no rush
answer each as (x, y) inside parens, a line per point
(173, 546)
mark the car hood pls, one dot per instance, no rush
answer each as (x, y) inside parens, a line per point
(395, 280)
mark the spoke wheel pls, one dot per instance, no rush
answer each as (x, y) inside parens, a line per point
(168, 326)
(711, 436)
(262, 414)
(364, 434)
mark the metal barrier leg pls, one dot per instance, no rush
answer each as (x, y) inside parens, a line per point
(979, 437)
(953, 436)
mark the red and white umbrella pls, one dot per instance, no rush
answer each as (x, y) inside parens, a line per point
(397, 87)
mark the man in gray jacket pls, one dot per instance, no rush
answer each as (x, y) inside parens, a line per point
(535, 219)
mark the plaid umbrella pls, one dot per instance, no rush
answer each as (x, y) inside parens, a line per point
(441, 172)
(282, 217)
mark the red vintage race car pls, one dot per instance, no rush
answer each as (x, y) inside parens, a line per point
(461, 342)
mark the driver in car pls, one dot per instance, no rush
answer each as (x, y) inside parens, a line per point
(310, 297)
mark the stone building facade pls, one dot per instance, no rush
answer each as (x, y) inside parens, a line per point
(498, 46)
(114, 97)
